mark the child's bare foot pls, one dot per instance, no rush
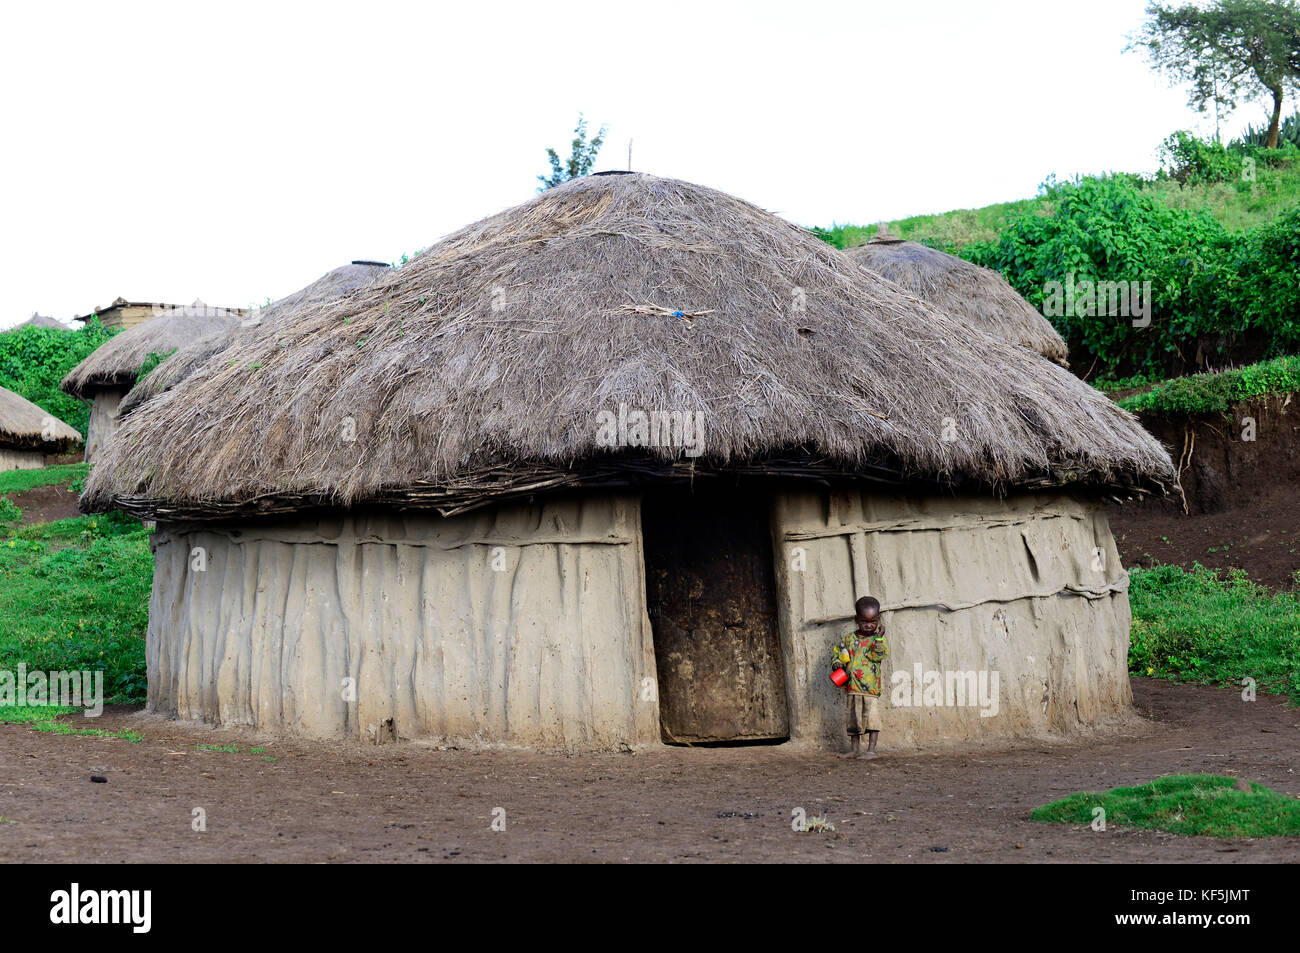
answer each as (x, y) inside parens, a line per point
(848, 754)
(867, 754)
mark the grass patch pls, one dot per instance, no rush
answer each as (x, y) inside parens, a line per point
(1210, 393)
(234, 749)
(1197, 626)
(74, 595)
(20, 481)
(1235, 204)
(22, 714)
(59, 728)
(1205, 804)
(45, 718)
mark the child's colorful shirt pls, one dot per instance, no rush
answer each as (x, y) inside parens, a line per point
(861, 661)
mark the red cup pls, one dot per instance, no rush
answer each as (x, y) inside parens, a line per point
(840, 677)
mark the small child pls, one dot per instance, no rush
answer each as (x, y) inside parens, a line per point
(861, 654)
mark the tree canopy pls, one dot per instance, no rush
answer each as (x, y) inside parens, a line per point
(1227, 50)
(582, 156)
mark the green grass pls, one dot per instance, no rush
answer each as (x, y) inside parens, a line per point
(74, 595)
(1236, 205)
(1208, 393)
(20, 481)
(1195, 625)
(45, 718)
(1205, 804)
(235, 749)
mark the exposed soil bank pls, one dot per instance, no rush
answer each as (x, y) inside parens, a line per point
(1242, 496)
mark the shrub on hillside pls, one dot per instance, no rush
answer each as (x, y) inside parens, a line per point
(34, 360)
(1109, 229)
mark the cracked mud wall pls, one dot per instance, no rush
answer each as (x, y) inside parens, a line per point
(518, 624)
(1030, 588)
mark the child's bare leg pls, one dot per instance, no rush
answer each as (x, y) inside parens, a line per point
(854, 741)
(871, 745)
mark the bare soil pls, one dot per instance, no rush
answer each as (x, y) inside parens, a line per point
(409, 803)
(1242, 497)
(45, 504)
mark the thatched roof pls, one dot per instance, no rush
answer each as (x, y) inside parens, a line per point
(962, 289)
(41, 321)
(480, 367)
(319, 294)
(24, 426)
(116, 362)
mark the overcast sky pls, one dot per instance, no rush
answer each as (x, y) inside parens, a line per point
(234, 152)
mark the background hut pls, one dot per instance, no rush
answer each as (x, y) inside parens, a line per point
(111, 370)
(963, 290)
(41, 321)
(28, 433)
(322, 293)
(127, 314)
(408, 506)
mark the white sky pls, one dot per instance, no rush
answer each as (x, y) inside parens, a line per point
(237, 151)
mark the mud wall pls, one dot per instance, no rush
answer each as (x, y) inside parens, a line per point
(521, 624)
(103, 420)
(21, 459)
(1029, 588)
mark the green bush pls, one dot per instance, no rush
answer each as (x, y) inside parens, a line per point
(34, 360)
(1110, 229)
(153, 360)
(1208, 393)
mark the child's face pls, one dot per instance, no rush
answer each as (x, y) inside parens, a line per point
(868, 621)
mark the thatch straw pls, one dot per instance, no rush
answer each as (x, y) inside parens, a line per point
(321, 293)
(964, 290)
(116, 362)
(479, 368)
(24, 426)
(41, 321)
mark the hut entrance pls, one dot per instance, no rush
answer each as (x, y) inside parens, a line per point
(711, 596)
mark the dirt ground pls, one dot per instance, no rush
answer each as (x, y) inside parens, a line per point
(408, 803)
(1263, 539)
(45, 504)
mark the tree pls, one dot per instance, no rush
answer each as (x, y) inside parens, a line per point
(582, 156)
(1227, 49)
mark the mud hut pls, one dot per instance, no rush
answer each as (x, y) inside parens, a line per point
(104, 377)
(28, 433)
(322, 293)
(610, 468)
(963, 290)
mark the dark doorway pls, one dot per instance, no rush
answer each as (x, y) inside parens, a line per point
(711, 595)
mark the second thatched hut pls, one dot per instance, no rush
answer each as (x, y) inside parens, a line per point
(111, 370)
(963, 290)
(28, 433)
(611, 468)
(325, 292)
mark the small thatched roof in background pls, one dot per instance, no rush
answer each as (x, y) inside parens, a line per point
(24, 426)
(962, 289)
(478, 370)
(41, 321)
(116, 362)
(320, 294)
